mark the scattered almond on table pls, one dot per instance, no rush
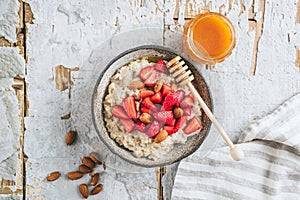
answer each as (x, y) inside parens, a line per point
(53, 176)
(88, 164)
(70, 137)
(84, 190)
(94, 179)
(97, 189)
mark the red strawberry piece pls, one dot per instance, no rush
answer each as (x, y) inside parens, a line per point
(152, 79)
(166, 117)
(119, 112)
(180, 95)
(160, 61)
(169, 129)
(188, 101)
(148, 103)
(161, 66)
(153, 129)
(130, 108)
(187, 111)
(193, 125)
(140, 126)
(157, 98)
(146, 71)
(165, 90)
(128, 124)
(169, 102)
(180, 121)
(146, 93)
(145, 110)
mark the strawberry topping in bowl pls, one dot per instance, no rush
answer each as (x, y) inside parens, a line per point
(161, 108)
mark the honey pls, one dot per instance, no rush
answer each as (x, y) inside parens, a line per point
(209, 38)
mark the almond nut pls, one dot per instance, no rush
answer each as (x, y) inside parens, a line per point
(84, 169)
(94, 179)
(136, 85)
(161, 136)
(53, 176)
(94, 158)
(97, 189)
(145, 118)
(88, 162)
(74, 175)
(158, 86)
(84, 190)
(70, 137)
(178, 112)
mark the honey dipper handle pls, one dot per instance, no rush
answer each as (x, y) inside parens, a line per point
(236, 153)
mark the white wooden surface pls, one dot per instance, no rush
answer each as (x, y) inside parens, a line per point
(66, 33)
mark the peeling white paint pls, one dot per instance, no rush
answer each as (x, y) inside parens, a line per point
(11, 64)
(9, 19)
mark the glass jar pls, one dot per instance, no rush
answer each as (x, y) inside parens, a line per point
(209, 38)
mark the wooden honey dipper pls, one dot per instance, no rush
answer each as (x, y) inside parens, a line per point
(183, 76)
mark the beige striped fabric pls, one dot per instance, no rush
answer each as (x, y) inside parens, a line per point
(270, 170)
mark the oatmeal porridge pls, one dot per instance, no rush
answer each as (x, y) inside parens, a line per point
(146, 112)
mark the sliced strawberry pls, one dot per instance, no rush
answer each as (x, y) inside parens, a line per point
(187, 111)
(165, 90)
(130, 108)
(152, 79)
(145, 110)
(165, 117)
(119, 112)
(161, 66)
(128, 124)
(170, 101)
(169, 129)
(146, 93)
(157, 98)
(180, 121)
(192, 126)
(180, 95)
(153, 129)
(146, 71)
(140, 126)
(148, 103)
(188, 101)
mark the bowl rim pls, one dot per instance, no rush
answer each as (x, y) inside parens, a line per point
(95, 91)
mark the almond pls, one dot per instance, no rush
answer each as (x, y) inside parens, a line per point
(84, 169)
(70, 137)
(158, 86)
(97, 189)
(53, 176)
(136, 85)
(94, 158)
(88, 162)
(178, 112)
(145, 118)
(94, 179)
(84, 190)
(74, 175)
(161, 136)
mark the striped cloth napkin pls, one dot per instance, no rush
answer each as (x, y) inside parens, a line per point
(270, 170)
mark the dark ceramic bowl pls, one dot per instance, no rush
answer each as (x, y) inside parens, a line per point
(179, 151)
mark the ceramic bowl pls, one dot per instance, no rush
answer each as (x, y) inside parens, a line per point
(179, 151)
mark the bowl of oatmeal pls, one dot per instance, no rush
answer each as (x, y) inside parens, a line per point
(142, 115)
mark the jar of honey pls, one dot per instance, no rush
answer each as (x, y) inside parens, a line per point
(209, 38)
